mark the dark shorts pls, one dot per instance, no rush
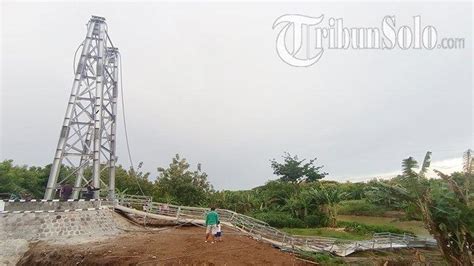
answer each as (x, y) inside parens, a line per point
(218, 234)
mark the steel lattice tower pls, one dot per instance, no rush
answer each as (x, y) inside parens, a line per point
(87, 139)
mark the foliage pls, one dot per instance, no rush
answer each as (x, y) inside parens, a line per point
(327, 232)
(353, 191)
(294, 200)
(295, 170)
(329, 199)
(129, 181)
(274, 194)
(25, 182)
(243, 201)
(411, 211)
(361, 207)
(182, 186)
(324, 258)
(379, 194)
(416, 227)
(370, 228)
(279, 219)
(320, 220)
(446, 207)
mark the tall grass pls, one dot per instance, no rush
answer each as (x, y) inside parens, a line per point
(361, 207)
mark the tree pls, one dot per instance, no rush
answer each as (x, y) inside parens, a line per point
(307, 201)
(293, 205)
(355, 191)
(380, 193)
(329, 199)
(180, 185)
(242, 201)
(27, 182)
(294, 170)
(274, 194)
(132, 181)
(446, 207)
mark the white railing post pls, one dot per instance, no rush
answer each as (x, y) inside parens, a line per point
(251, 229)
(390, 239)
(178, 213)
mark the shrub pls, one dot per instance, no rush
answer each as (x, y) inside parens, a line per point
(323, 258)
(360, 207)
(411, 212)
(279, 219)
(370, 229)
(319, 220)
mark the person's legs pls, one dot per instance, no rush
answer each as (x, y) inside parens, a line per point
(213, 232)
(208, 232)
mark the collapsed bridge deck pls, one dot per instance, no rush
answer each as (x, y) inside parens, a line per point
(262, 231)
(24, 221)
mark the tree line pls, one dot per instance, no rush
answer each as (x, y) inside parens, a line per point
(300, 197)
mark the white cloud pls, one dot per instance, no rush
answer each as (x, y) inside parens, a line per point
(446, 166)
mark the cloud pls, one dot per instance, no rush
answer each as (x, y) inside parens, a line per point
(446, 166)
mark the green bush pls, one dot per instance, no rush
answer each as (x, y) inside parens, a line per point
(412, 212)
(324, 258)
(370, 229)
(319, 220)
(360, 207)
(279, 219)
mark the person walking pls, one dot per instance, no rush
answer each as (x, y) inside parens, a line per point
(218, 234)
(211, 224)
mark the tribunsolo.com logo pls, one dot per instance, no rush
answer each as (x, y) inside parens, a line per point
(301, 40)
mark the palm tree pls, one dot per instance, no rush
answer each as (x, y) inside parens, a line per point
(248, 201)
(329, 199)
(444, 205)
(307, 201)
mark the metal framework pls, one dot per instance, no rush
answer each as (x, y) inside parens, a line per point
(266, 233)
(87, 138)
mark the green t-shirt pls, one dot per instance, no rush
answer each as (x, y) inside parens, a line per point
(211, 218)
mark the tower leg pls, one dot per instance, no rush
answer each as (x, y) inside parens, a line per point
(98, 111)
(113, 129)
(59, 154)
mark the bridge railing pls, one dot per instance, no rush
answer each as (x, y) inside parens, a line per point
(261, 230)
(254, 227)
(135, 201)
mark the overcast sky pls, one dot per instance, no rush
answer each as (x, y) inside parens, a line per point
(204, 80)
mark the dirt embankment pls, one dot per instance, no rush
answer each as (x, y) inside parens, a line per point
(172, 246)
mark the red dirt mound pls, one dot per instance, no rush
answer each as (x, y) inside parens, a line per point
(172, 246)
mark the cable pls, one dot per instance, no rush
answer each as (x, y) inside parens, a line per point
(74, 61)
(125, 126)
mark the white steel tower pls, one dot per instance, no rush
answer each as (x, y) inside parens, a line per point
(87, 138)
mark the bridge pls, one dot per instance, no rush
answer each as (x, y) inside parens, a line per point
(261, 231)
(38, 220)
(87, 144)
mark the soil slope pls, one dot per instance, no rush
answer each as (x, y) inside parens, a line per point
(170, 246)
